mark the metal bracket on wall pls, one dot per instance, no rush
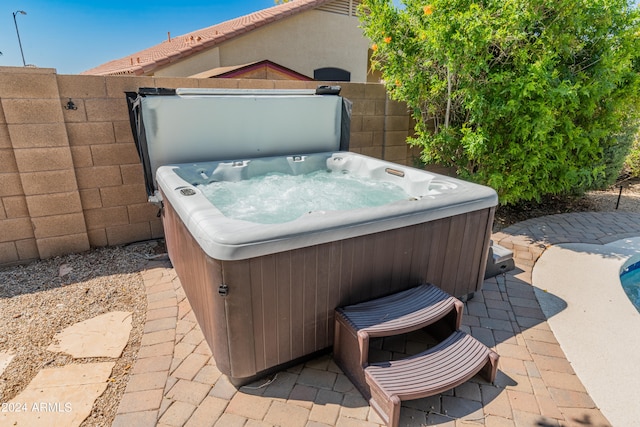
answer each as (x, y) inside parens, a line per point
(70, 105)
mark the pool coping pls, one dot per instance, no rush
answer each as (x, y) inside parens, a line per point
(590, 294)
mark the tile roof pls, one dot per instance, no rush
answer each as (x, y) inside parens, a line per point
(183, 46)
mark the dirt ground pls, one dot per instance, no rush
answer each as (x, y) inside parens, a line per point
(42, 298)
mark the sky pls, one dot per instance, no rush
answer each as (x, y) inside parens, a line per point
(73, 36)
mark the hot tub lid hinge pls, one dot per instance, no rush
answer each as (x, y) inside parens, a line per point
(156, 198)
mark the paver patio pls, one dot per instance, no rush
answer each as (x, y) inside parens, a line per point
(175, 382)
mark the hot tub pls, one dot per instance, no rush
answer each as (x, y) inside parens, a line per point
(264, 291)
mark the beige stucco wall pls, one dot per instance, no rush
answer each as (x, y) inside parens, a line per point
(303, 43)
(194, 64)
(71, 179)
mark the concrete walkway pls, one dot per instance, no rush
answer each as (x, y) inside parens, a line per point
(175, 382)
(590, 294)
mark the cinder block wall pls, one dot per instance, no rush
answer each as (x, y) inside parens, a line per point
(71, 179)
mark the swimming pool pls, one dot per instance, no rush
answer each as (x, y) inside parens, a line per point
(630, 279)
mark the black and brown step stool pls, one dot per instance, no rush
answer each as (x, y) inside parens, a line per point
(450, 363)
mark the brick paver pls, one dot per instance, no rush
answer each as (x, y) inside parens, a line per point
(138, 419)
(190, 366)
(175, 381)
(140, 401)
(177, 414)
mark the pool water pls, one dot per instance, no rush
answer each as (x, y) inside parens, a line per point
(630, 279)
(277, 198)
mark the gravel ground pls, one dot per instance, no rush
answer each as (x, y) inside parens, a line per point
(41, 299)
(599, 201)
(607, 200)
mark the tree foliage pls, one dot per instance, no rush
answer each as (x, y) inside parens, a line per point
(531, 97)
(632, 162)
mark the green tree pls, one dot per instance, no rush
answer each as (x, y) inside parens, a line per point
(531, 97)
(632, 162)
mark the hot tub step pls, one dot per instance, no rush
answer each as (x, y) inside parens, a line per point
(499, 261)
(402, 312)
(447, 365)
(395, 314)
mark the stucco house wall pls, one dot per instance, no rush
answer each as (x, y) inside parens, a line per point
(304, 42)
(303, 36)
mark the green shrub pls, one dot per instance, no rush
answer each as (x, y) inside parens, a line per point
(632, 162)
(531, 97)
